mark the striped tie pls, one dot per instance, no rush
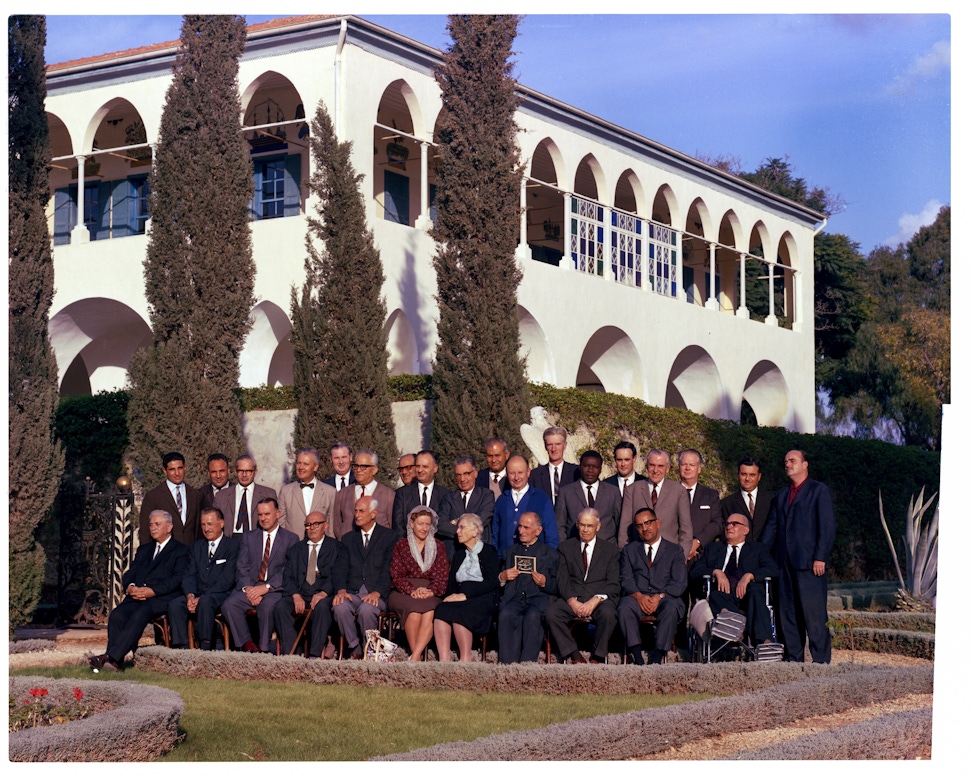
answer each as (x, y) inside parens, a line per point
(266, 561)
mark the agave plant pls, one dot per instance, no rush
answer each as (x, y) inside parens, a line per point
(921, 555)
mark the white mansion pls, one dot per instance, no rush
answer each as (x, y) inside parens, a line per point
(631, 252)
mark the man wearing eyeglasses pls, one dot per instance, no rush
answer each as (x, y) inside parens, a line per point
(308, 585)
(653, 579)
(365, 469)
(238, 504)
(467, 498)
(406, 468)
(738, 568)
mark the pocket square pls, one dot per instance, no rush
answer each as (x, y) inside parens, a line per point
(220, 561)
(704, 507)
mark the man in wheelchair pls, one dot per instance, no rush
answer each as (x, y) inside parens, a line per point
(738, 569)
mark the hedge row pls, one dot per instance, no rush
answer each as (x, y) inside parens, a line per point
(142, 725)
(675, 678)
(31, 645)
(652, 731)
(902, 735)
(886, 641)
(897, 620)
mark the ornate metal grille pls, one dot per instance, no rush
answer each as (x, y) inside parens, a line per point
(661, 259)
(626, 248)
(587, 236)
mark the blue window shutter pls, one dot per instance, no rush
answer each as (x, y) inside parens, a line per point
(257, 188)
(292, 186)
(103, 227)
(65, 213)
(433, 212)
(121, 197)
(396, 198)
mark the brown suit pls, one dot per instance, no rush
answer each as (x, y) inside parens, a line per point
(343, 520)
(160, 499)
(226, 501)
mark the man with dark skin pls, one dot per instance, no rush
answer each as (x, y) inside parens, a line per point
(589, 492)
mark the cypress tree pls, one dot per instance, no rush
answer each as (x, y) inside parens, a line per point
(199, 265)
(340, 357)
(478, 378)
(36, 458)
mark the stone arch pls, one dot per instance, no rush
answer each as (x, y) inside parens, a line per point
(398, 155)
(545, 204)
(695, 252)
(664, 207)
(694, 383)
(535, 348)
(767, 394)
(611, 363)
(786, 255)
(402, 345)
(589, 179)
(106, 129)
(268, 355)
(94, 340)
(629, 194)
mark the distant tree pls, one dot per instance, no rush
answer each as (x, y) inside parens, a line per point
(199, 266)
(930, 261)
(340, 356)
(777, 175)
(36, 459)
(478, 378)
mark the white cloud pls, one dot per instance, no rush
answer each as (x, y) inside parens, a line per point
(910, 223)
(924, 67)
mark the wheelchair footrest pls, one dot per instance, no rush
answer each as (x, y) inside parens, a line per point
(728, 626)
(769, 652)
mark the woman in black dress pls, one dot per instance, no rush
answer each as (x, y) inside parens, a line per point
(471, 597)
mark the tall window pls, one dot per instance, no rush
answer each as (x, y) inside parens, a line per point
(276, 190)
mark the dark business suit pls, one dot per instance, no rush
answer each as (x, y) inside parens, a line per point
(540, 477)
(331, 556)
(673, 510)
(207, 494)
(799, 534)
(754, 558)
(667, 574)
(247, 572)
(407, 497)
(344, 508)
(520, 623)
(506, 518)
(211, 580)
(603, 577)
(737, 503)
(481, 502)
(229, 505)
(706, 511)
(573, 499)
(333, 480)
(616, 480)
(164, 576)
(161, 499)
(364, 570)
(292, 511)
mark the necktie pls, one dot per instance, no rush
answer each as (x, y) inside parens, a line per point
(584, 557)
(654, 495)
(307, 486)
(622, 483)
(650, 556)
(242, 516)
(556, 482)
(732, 568)
(178, 496)
(590, 496)
(311, 565)
(495, 478)
(157, 549)
(342, 482)
(212, 549)
(465, 499)
(359, 494)
(425, 495)
(367, 537)
(266, 561)
(751, 506)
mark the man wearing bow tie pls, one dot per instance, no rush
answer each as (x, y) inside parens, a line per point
(306, 494)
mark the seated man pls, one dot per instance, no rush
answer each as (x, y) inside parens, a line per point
(738, 568)
(587, 579)
(259, 577)
(529, 581)
(153, 579)
(209, 579)
(308, 583)
(653, 578)
(363, 581)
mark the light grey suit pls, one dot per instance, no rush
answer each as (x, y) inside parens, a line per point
(293, 513)
(673, 511)
(228, 503)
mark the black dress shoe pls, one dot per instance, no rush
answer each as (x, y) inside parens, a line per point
(115, 667)
(597, 660)
(635, 657)
(655, 657)
(97, 661)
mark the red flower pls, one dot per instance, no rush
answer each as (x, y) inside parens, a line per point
(38, 692)
(78, 694)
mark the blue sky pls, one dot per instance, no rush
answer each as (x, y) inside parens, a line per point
(860, 104)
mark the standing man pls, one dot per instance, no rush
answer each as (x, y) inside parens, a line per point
(589, 492)
(529, 582)
(521, 498)
(406, 468)
(209, 579)
(801, 529)
(151, 582)
(176, 498)
(668, 500)
(550, 477)
(703, 501)
(238, 503)
(653, 580)
(494, 476)
(363, 582)
(308, 584)
(306, 494)
(625, 456)
(259, 577)
(341, 462)
(589, 585)
(422, 491)
(218, 468)
(365, 469)
(468, 498)
(749, 499)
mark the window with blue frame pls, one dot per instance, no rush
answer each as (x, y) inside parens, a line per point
(276, 187)
(112, 209)
(396, 198)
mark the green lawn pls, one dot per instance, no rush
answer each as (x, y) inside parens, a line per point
(255, 720)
